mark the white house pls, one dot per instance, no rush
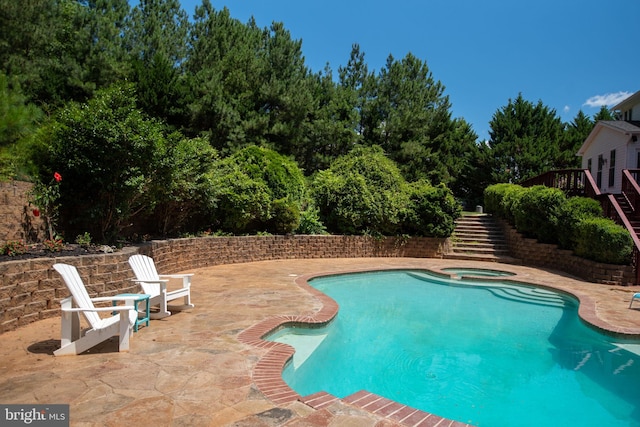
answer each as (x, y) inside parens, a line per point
(614, 145)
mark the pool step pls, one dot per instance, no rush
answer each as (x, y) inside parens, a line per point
(530, 295)
(500, 289)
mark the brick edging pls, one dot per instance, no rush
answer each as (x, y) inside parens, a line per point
(267, 374)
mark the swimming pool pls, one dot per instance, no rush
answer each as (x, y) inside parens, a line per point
(487, 353)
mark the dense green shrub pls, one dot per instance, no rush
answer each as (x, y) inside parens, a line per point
(502, 200)
(108, 153)
(571, 213)
(432, 210)
(285, 216)
(258, 190)
(602, 240)
(537, 212)
(493, 196)
(124, 173)
(511, 201)
(361, 192)
(310, 222)
(242, 203)
(183, 198)
(282, 175)
(575, 223)
(364, 192)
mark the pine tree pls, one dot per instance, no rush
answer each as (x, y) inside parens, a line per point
(574, 136)
(524, 139)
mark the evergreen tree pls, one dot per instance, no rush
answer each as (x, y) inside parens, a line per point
(106, 59)
(463, 169)
(330, 131)
(355, 80)
(162, 91)
(157, 38)
(42, 44)
(603, 114)
(18, 119)
(333, 127)
(62, 50)
(284, 95)
(158, 27)
(406, 112)
(574, 136)
(225, 71)
(524, 139)
(252, 86)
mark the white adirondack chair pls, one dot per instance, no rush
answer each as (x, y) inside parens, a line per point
(75, 341)
(155, 285)
(635, 296)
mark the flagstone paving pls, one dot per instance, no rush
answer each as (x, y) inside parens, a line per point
(191, 369)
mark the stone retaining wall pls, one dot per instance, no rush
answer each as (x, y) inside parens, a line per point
(530, 252)
(17, 221)
(31, 290)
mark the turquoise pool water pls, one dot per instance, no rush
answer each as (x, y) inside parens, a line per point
(484, 354)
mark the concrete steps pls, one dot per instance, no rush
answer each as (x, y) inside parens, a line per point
(479, 238)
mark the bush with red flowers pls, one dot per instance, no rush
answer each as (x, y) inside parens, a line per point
(46, 199)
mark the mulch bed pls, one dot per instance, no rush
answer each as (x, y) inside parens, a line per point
(38, 250)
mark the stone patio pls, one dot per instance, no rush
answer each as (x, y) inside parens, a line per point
(191, 369)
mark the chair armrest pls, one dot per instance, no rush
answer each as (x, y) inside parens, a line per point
(117, 308)
(186, 278)
(150, 281)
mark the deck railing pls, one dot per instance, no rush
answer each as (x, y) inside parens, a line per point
(574, 182)
(631, 189)
(579, 182)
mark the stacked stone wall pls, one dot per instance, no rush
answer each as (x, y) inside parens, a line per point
(530, 252)
(17, 221)
(31, 290)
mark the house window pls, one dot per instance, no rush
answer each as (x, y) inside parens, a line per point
(599, 172)
(612, 168)
(589, 164)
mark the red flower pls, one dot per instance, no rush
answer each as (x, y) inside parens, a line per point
(36, 212)
(57, 177)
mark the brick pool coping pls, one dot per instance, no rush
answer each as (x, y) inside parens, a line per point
(267, 374)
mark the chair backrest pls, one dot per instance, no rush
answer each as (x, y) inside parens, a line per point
(78, 291)
(145, 269)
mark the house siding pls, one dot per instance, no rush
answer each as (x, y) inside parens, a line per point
(632, 113)
(606, 141)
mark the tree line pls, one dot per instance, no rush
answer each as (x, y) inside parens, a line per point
(209, 86)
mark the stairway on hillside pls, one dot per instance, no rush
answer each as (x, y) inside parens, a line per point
(632, 217)
(479, 238)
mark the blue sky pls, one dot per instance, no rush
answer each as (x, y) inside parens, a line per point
(570, 54)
